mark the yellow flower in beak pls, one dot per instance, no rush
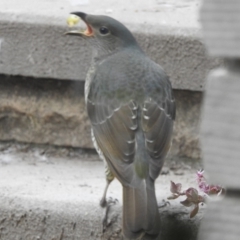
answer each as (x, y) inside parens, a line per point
(72, 20)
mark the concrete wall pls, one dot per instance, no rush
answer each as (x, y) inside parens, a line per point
(51, 111)
(221, 118)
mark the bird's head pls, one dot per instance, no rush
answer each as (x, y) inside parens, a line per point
(104, 33)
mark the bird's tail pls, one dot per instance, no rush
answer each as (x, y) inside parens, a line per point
(140, 212)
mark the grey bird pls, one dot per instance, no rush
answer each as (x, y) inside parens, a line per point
(131, 108)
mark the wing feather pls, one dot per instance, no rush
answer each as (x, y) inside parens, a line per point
(157, 124)
(114, 131)
(132, 126)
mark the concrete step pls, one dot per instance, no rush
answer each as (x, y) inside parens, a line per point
(53, 193)
(32, 41)
(50, 111)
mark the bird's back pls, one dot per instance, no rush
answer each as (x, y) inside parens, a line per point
(131, 80)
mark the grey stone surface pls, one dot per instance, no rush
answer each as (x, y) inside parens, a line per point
(32, 41)
(43, 111)
(220, 127)
(50, 197)
(53, 112)
(221, 28)
(186, 127)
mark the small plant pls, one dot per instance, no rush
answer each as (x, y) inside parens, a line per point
(208, 189)
(193, 197)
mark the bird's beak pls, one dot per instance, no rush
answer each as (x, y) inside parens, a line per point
(73, 19)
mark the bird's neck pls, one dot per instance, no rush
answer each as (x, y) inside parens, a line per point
(100, 55)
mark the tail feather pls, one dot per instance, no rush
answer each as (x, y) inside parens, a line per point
(140, 212)
(134, 212)
(153, 217)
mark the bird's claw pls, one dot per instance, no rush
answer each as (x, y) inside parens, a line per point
(104, 202)
(110, 216)
(164, 203)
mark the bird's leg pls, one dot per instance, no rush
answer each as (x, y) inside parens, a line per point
(103, 201)
(109, 178)
(110, 216)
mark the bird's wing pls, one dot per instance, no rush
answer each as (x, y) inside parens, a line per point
(157, 119)
(114, 126)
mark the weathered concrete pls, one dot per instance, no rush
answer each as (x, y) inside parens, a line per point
(32, 41)
(47, 197)
(43, 111)
(53, 112)
(186, 127)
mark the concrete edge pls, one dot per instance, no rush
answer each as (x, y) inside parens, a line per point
(39, 49)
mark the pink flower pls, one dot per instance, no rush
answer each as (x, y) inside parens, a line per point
(204, 187)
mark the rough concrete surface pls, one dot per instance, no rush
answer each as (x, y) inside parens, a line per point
(52, 194)
(53, 112)
(32, 41)
(46, 111)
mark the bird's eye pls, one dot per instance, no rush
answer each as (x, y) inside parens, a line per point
(103, 30)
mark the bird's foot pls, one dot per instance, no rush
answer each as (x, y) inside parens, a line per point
(110, 216)
(163, 204)
(104, 202)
